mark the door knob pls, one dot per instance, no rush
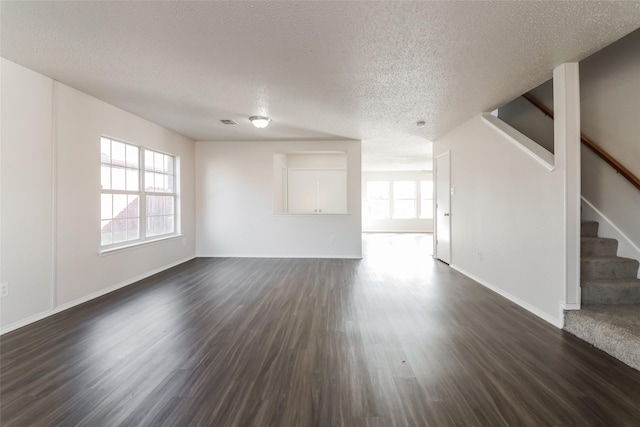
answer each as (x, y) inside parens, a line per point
(446, 214)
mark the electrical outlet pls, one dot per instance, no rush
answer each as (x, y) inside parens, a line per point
(4, 290)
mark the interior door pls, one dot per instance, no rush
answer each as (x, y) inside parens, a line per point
(443, 208)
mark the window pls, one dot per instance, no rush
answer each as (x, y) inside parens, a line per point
(378, 199)
(426, 199)
(138, 196)
(404, 199)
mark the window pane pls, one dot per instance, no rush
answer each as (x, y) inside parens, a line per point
(106, 206)
(121, 213)
(155, 205)
(169, 224)
(148, 160)
(119, 230)
(133, 206)
(155, 225)
(169, 164)
(133, 229)
(120, 205)
(404, 190)
(403, 209)
(168, 205)
(118, 179)
(378, 190)
(132, 156)
(105, 233)
(118, 156)
(105, 177)
(148, 181)
(158, 162)
(132, 179)
(159, 182)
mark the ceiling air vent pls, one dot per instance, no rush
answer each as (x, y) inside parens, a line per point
(228, 122)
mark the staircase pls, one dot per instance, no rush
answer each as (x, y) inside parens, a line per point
(610, 314)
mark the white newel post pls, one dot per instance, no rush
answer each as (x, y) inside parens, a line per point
(566, 105)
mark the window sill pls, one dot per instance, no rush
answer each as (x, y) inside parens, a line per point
(112, 251)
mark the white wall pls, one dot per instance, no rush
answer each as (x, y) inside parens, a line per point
(507, 218)
(317, 161)
(279, 182)
(413, 225)
(51, 197)
(81, 120)
(27, 192)
(610, 93)
(234, 193)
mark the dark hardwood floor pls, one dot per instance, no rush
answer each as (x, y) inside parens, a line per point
(395, 339)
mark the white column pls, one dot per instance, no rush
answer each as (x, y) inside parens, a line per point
(566, 105)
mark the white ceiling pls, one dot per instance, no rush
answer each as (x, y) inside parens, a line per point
(362, 70)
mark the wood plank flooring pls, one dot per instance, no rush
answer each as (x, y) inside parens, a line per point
(395, 339)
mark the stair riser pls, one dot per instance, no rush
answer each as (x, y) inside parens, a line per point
(610, 296)
(605, 270)
(589, 229)
(598, 247)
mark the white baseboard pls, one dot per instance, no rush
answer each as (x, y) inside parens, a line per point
(558, 322)
(397, 231)
(293, 256)
(68, 305)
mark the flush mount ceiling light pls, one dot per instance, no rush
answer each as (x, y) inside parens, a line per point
(260, 121)
(420, 124)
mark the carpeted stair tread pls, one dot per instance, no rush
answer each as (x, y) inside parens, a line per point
(610, 291)
(598, 246)
(608, 267)
(614, 329)
(589, 228)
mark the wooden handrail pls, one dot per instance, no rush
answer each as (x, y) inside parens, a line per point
(619, 168)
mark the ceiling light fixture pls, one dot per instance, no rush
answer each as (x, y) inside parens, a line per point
(420, 124)
(260, 121)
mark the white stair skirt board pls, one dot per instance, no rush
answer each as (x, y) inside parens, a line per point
(70, 304)
(558, 322)
(626, 248)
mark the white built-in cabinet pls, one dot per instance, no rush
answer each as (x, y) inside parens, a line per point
(317, 191)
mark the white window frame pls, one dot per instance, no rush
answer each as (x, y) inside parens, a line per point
(142, 194)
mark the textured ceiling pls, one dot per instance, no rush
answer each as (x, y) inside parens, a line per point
(362, 70)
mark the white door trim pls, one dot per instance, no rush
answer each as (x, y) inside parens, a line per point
(435, 209)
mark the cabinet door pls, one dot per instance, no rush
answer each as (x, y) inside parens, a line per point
(302, 191)
(332, 191)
